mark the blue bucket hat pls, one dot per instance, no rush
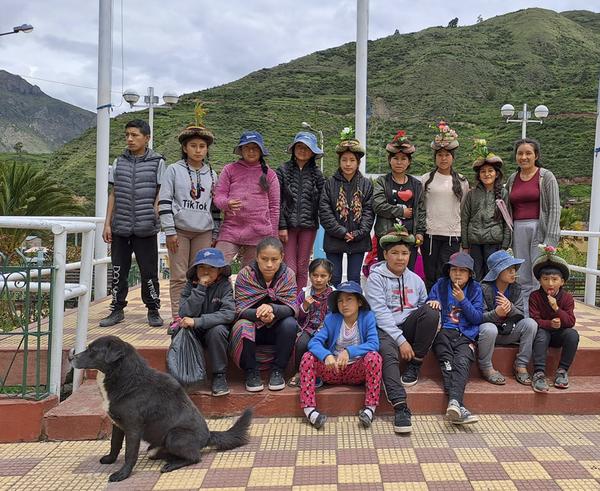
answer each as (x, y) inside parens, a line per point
(251, 137)
(498, 262)
(309, 139)
(211, 257)
(346, 287)
(459, 260)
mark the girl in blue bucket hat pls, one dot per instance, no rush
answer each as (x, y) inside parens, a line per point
(504, 322)
(248, 195)
(301, 183)
(207, 307)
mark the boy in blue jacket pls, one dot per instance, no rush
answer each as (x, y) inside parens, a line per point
(344, 351)
(460, 299)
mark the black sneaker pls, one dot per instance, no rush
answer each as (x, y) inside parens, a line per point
(154, 318)
(411, 375)
(253, 381)
(219, 385)
(402, 423)
(276, 381)
(113, 318)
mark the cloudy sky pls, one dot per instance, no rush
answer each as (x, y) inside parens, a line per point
(188, 45)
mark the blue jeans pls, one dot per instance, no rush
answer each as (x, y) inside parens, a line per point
(354, 266)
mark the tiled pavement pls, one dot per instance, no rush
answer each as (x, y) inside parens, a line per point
(136, 331)
(501, 452)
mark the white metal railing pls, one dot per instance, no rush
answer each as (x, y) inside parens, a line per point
(60, 227)
(591, 268)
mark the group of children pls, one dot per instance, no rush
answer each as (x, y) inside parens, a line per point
(340, 335)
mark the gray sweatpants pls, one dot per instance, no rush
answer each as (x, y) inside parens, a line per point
(523, 334)
(525, 246)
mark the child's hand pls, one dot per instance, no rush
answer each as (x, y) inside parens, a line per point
(553, 303)
(555, 323)
(434, 304)
(503, 305)
(331, 362)
(408, 212)
(457, 292)
(342, 359)
(205, 280)
(283, 236)
(172, 243)
(406, 351)
(308, 301)
(265, 313)
(349, 237)
(186, 323)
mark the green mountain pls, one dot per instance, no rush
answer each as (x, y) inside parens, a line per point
(38, 121)
(462, 74)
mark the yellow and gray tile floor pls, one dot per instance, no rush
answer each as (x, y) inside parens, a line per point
(501, 452)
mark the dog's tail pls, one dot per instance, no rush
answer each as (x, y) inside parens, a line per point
(236, 436)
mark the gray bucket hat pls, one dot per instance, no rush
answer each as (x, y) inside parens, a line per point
(310, 140)
(459, 260)
(498, 262)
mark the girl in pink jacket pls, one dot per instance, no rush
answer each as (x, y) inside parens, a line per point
(248, 194)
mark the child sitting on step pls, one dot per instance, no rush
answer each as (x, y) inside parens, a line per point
(344, 351)
(552, 307)
(459, 298)
(207, 307)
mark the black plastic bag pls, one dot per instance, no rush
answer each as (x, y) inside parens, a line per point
(185, 358)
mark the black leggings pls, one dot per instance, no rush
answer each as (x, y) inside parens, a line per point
(567, 337)
(455, 353)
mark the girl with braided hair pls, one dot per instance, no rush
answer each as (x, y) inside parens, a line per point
(444, 191)
(484, 230)
(248, 194)
(185, 206)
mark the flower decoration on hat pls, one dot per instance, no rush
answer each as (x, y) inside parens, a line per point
(481, 155)
(400, 143)
(399, 235)
(549, 258)
(547, 250)
(199, 113)
(198, 129)
(349, 143)
(446, 137)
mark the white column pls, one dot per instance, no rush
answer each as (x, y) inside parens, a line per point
(58, 308)
(103, 136)
(151, 115)
(362, 35)
(594, 225)
(524, 122)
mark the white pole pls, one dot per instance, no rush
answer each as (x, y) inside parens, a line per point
(594, 225)
(58, 308)
(323, 149)
(151, 114)
(524, 122)
(362, 35)
(103, 136)
(83, 304)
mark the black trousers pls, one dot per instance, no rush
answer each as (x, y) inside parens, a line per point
(282, 334)
(411, 261)
(146, 256)
(455, 354)
(567, 337)
(300, 348)
(480, 253)
(419, 329)
(436, 251)
(215, 342)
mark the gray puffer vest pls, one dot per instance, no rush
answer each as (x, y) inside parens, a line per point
(135, 189)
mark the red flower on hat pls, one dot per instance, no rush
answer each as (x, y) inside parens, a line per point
(550, 249)
(400, 135)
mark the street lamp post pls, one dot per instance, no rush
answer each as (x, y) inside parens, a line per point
(310, 128)
(26, 28)
(540, 112)
(150, 101)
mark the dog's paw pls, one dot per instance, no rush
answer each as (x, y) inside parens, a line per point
(168, 467)
(119, 475)
(108, 459)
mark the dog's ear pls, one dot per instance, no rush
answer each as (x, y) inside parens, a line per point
(114, 352)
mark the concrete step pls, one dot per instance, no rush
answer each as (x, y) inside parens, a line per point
(81, 417)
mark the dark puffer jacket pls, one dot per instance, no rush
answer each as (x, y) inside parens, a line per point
(479, 224)
(335, 226)
(300, 195)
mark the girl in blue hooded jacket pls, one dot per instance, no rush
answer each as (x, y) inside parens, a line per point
(460, 299)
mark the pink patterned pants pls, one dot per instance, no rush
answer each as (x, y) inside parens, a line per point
(366, 369)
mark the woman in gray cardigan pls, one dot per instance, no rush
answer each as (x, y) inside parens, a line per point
(534, 205)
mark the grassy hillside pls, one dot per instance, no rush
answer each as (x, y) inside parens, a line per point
(463, 74)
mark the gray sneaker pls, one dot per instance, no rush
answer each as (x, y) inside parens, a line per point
(276, 380)
(453, 412)
(116, 316)
(466, 418)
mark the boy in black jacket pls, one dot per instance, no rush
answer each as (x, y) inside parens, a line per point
(207, 307)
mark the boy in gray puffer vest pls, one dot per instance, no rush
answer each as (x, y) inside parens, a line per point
(132, 223)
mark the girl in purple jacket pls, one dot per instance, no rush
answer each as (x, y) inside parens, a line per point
(248, 194)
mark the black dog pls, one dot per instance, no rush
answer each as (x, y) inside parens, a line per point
(145, 404)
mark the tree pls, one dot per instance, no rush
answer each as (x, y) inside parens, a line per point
(479, 19)
(453, 22)
(27, 191)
